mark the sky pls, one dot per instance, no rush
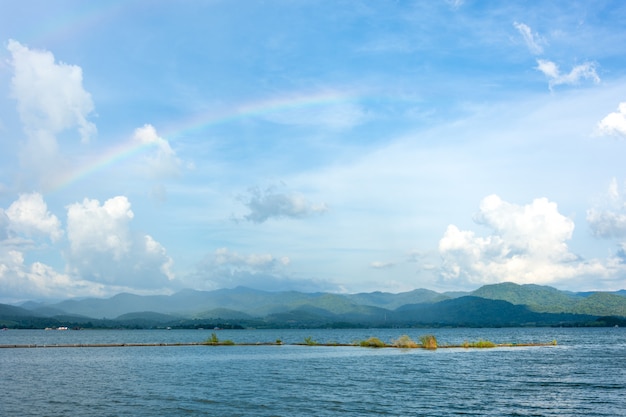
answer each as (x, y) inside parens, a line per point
(340, 146)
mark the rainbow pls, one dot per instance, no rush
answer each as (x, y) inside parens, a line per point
(92, 14)
(261, 108)
(109, 157)
(130, 147)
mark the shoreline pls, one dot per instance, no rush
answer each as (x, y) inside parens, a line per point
(112, 345)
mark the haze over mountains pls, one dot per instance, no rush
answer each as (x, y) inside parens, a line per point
(505, 304)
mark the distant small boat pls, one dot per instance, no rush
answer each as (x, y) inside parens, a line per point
(63, 328)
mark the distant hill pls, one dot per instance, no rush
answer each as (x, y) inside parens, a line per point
(504, 304)
(537, 297)
(223, 314)
(550, 300)
(602, 303)
(13, 311)
(393, 301)
(477, 311)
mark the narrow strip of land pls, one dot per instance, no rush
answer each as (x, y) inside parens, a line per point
(109, 345)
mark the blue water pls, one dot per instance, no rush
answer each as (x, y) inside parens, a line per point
(584, 375)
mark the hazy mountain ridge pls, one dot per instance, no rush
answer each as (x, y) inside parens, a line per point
(491, 305)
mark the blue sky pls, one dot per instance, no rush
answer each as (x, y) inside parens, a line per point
(344, 146)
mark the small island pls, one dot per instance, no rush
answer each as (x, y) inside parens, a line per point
(428, 342)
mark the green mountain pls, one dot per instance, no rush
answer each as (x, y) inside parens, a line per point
(504, 304)
(603, 304)
(477, 311)
(547, 299)
(392, 301)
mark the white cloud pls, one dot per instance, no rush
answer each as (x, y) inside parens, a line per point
(95, 228)
(50, 99)
(29, 216)
(163, 163)
(226, 258)
(527, 245)
(382, 265)
(23, 225)
(19, 280)
(104, 255)
(227, 269)
(533, 41)
(614, 124)
(50, 96)
(103, 248)
(584, 71)
(267, 204)
(609, 221)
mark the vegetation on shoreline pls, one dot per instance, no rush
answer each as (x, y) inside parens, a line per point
(428, 342)
(404, 342)
(214, 340)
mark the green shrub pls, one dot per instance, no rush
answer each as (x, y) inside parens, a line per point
(480, 344)
(372, 342)
(405, 342)
(429, 341)
(227, 342)
(213, 340)
(279, 342)
(309, 341)
(484, 344)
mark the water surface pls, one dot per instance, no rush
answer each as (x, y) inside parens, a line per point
(585, 374)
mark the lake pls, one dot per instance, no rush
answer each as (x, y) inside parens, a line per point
(583, 375)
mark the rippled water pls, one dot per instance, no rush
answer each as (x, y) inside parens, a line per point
(585, 374)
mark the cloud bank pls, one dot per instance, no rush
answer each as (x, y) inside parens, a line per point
(527, 244)
(105, 254)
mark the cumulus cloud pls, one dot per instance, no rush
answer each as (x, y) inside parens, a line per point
(50, 95)
(29, 216)
(50, 99)
(609, 221)
(163, 162)
(264, 205)
(24, 226)
(104, 255)
(533, 40)
(527, 244)
(584, 71)
(614, 124)
(17, 279)
(104, 249)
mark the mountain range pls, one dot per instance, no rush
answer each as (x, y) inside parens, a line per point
(505, 304)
